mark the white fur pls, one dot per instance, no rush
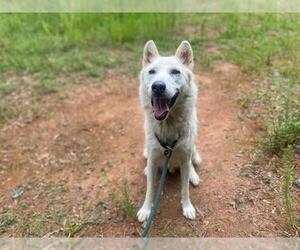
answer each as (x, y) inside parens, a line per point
(181, 122)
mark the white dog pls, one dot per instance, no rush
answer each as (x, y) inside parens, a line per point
(168, 95)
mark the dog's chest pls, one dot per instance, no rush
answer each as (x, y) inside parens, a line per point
(168, 133)
(180, 156)
(170, 130)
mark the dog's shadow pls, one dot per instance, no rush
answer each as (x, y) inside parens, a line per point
(172, 179)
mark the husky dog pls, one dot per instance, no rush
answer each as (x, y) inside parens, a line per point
(168, 96)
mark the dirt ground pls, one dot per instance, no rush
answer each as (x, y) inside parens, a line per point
(74, 163)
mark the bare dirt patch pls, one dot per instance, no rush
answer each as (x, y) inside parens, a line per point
(74, 162)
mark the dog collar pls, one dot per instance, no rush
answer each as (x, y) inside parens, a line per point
(168, 147)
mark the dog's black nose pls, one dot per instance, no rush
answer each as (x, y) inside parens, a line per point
(158, 87)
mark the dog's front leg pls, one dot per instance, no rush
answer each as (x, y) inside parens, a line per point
(145, 210)
(187, 207)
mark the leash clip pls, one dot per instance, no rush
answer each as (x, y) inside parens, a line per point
(168, 151)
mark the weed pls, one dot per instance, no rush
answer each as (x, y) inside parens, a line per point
(6, 220)
(284, 120)
(127, 204)
(280, 99)
(72, 228)
(246, 100)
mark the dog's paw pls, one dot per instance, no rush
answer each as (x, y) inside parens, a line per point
(189, 211)
(194, 177)
(143, 214)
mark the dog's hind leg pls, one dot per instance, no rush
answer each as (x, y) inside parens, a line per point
(196, 158)
(145, 154)
(193, 176)
(196, 161)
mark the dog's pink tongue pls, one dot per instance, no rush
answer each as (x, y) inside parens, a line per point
(160, 107)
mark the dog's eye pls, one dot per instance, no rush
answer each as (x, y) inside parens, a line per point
(175, 72)
(152, 71)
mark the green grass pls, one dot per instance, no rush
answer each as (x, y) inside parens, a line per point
(6, 113)
(6, 220)
(45, 47)
(284, 120)
(7, 88)
(283, 131)
(58, 42)
(262, 42)
(72, 228)
(266, 46)
(109, 62)
(34, 226)
(46, 87)
(278, 97)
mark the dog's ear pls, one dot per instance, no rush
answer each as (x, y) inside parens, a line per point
(185, 54)
(150, 53)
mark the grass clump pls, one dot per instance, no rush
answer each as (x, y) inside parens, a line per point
(7, 88)
(6, 220)
(284, 118)
(284, 133)
(34, 226)
(107, 62)
(6, 112)
(72, 228)
(46, 87)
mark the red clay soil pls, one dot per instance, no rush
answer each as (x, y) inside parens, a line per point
(73, 164)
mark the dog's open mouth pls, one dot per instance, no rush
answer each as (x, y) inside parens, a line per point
(162, 105)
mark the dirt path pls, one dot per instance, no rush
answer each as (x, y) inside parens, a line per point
(74, 163)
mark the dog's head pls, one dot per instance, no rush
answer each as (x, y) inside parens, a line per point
(165, 79)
